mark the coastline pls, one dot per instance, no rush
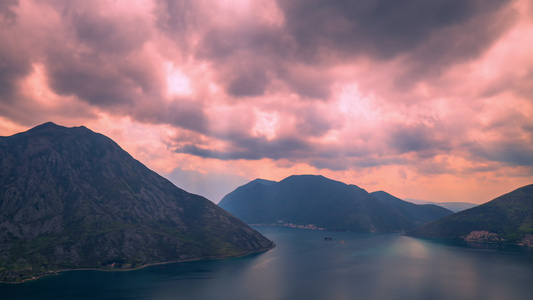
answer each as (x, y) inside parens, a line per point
(290, 225)
(472, 243)
(57, 272)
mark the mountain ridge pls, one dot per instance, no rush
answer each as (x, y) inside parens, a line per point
(321, 202)
(505, 219)
(424, 212)
(453, 206)
(71, 198)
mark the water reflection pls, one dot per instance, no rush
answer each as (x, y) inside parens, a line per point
(415, 269)
(304, 266)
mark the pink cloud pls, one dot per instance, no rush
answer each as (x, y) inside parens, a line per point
(403, 99)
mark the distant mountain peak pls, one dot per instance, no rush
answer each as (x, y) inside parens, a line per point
(262, 181)
(324, 203)
(47, 124)
(308, 177)
(51, 127)
(311, 178)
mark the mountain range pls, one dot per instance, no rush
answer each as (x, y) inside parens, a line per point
(71, 198)
(316, 201)
(453, 206)
(506, 219)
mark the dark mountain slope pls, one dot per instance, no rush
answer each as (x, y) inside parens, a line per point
(509, 217)
(453, 206)
(309, 199)
(421, 213)
(72, 198)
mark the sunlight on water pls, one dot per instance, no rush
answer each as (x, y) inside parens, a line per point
(305, 266)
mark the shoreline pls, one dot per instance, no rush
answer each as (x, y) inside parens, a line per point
(57, 272)
(464, 242)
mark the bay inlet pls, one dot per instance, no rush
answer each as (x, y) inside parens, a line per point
(304, 265)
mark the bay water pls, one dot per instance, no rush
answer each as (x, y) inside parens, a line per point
(304, 265)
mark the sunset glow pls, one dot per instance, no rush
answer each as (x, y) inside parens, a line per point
(433, 103)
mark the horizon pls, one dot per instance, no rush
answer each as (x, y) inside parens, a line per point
(429, 101)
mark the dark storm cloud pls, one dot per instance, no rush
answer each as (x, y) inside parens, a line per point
(189, 115)
(106, 35)
(245, 55)
(96, 66)
(97, 57)
(429, 35)
(378, 28)
(218, 154)
(416, 138)
(13, 67)
(310, 122)
(322, 33)
(14, 63)
(248, 83)
(514, 153)
(92, 80)
(181, 113)
(250, 148)
(120, 63)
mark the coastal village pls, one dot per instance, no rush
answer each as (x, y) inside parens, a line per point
(484, 236)
(292, 225)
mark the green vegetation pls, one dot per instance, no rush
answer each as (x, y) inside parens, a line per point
(73, 199)
(509, 216)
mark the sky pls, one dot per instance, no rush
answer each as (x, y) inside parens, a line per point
(429, 100)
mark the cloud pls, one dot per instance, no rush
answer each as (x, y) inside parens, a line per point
(383, 30)
(416, 138)
(248, 83)
(252, 149)
(512, 152)
(359, 88)
(6, 10)
(106, 35)
(14, 62)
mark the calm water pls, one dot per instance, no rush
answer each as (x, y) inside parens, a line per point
(304, 266)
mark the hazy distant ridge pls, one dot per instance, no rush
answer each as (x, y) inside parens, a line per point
(453, 206)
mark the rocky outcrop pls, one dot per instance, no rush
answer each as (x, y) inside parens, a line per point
(72, 198)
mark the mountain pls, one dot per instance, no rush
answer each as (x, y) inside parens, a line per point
(318, 201)
(453, 206)
(71, 198)
(508, 218)
(422, 213)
